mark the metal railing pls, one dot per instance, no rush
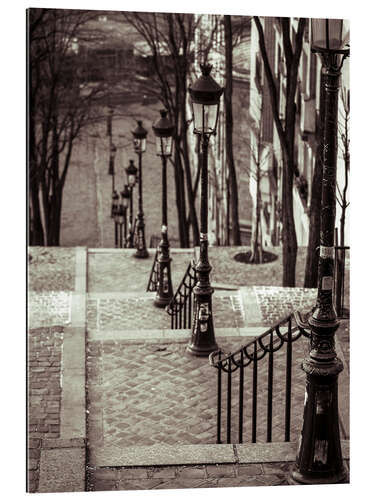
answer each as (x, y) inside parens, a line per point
(341, 295)
(153, 279)
(180, 307)
(243, 388)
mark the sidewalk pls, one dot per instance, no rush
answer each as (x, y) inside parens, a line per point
(143, 391)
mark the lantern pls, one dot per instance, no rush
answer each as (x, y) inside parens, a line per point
(205, 95)
(139, 138)
(163, 130)
(131, 173)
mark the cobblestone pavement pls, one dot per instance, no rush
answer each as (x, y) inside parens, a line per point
(139, 392)
(51, 269)
(277, 302)
(79, 220)
(131, 313)
(44, 393)
(226, 270)
(207, 476)
(49, 308)
(121, 272)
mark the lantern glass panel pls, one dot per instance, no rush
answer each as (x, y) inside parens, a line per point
(131, 180)
(164, 146)
(205, 117)
(327, 33)
(125, 201)
(139, 145)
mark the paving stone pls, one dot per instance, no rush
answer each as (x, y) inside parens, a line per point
(104, 485)
(163, 473)
(133, 473)
(220, 471)
(62, 470)
(43, 382)
(49, 308)
(139, 484)
(192, 472)
(249, 469)
(51, 269)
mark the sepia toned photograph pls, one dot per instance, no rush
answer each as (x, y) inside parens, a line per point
(188, 250)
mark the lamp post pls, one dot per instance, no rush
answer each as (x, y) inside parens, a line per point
(163, 130)
(205, 94)
(131, 173)
(125, 195)
(111, 169)
(114, 213)
(139, 142)
(319, 457)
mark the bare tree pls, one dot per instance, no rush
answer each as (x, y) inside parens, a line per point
(345, 142)
(312, 257)
(286, 133)
(260, 153)
(59, 107)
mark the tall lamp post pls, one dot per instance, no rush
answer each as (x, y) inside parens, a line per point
(163, 130)
(205, 95)
(111, 169)
(139, 142)
(125, 195)
(131, 174)
(319, 457)
(115, 213)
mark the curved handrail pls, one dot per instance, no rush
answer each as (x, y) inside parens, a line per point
(223, 362)
(176, 305)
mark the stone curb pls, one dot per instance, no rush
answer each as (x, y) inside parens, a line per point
(126, 251)
(161, 455)
(168, 336)
(150, 295)
(63, 461)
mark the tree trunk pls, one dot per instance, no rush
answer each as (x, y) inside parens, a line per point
(312, 257)
(180, 202)
(255, 257)
(236, 234)
(37, 225)
(289, 237)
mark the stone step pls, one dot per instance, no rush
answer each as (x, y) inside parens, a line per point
(163, 455)
(170, 336)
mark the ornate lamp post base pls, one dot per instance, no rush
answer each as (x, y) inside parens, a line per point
(164, 291)
(141, 252)
(298, 478)
(319, 457)
(202, 341)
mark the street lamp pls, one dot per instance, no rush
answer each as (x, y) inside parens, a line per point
(114, 213)
(131, 173)
(111, 169)
(139, 143)
(125, 195)
(319, 457)
(163, 130)
(205, 95)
